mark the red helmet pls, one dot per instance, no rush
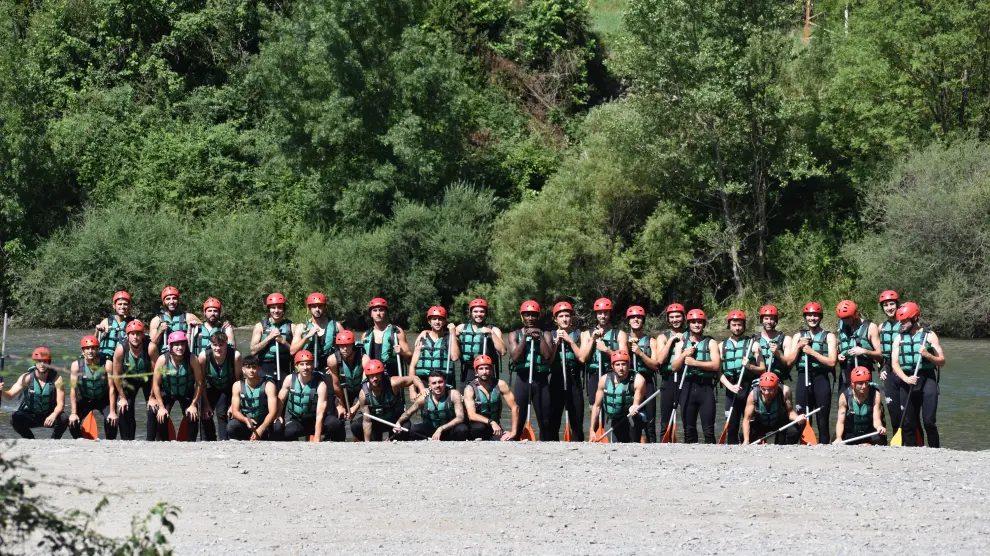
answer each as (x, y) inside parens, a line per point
(909, 310)
(89, 341)
(120, 295)
(735, 315)
(603, 304)
(212, 303)
(378, 302)
(860, 374)
(316, 298)
(889, 295)
(169, 290)
(529, 306)
(373, 367)
(41, 354)
(813, 307)
(303, 355)
(635, 311)
(768, 311)
(769, 380)
(562, 306)
(134, 326)
(436, 311)
(344, 337)
(620, 355)
(275, 299)
(675, 308)
(696, 314)
(482, 360)
(478, 302)
(845, 309)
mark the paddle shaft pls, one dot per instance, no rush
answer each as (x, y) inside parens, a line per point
(644, 402)
(787, 426)
(917, 368)
(3, 348)
(563, 366)
(532, 359)
(677, 398)
(742, 371)
(861, 437)
(394, 425)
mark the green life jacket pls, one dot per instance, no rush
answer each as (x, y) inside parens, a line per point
(571, 359)
(474, 343)
(666, 366)
(859, 338)
(385, 354)
(202, 341)
(321, 348)
(115, 334)
(522, 365)
(611, 339)
(254, 401)
(888, 330)
(178, 383)
(268, 356)
(434, 355)
(638, 366)
(734, 356)
(175, 323)
(819, 343)
(303, 398)
(351, 375)
(438, 413)
(39, 398)
(137, 370)
(93, 385)
(220, 376)
(703, 354)
(908, 356)
(618, 395)
(859, 416)
(388, 407)
(488, 405)
(769, 416)
(778, 367)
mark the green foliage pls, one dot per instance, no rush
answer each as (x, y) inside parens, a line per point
(28, 519)
(933, 233)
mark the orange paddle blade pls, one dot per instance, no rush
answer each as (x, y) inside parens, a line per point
(670, 436)
(89, 430)
(725, 433)
(642, 440)
(808, 435)
(171, 429)
(312, 438)
(183, 433)
(600, 434)
(527, 433)
(567, 433)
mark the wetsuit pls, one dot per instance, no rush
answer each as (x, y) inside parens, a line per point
(848, 339)
(859, 418)
(540, 394)
(269, 365)
(387, 406)
(177, 384)
(93, 394)
(473, 344)
(136, 377)
(736, 353)
(435, 414)
(649, 410)
(820, 394)
(488, 403)
(300, 409)
(571, 399)
(219, 384)
(892, 384)
(768, 417)
(611, 339)
(698, 396)
(254, 405)
(37, 403)
(616, 401)
(668, 381)
(921, 398)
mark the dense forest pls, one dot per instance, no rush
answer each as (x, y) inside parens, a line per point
(720, 153)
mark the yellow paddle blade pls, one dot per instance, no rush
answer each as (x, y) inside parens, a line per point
(89, 430)
(897, 440)
(808, 435)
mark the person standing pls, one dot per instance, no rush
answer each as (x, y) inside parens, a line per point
(384, 342)
(917, 349)
(888, 331)
(213, 321)
(666, 342)
(90, 389)
(698, 357)
(814, 351)
(774, 345)
(271, 340)
(132, 372)
(318, 333)
(171, 318)
(178, 378)
(742, 365)
(858, 342)
(605, 339)
(530, 349)
(436, 348)
(642, 347)
(477, 337)
(110, 330)
(567, 341)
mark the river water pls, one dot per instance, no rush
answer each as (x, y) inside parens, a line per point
(961, 413)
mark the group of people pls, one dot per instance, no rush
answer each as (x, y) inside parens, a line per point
(307, 380)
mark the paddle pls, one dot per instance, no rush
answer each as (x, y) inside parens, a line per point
(527, 432)
(171, 428)
(861, 437)
(670, 435)
(808, 434)
(785, 427)
(567, 413)
(644, 402)
(732, 405)
(898, 440)
(3, 348)
(278, 365)
(599, 432)
(395, 426)
(89, 430)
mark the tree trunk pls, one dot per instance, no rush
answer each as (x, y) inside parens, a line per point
(730, 225)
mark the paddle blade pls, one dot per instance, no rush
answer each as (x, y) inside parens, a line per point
(670, 435)
(171, 429)
(89, 430)
(725, 433)
(642, 440)
(897, 440)
(183, 433)
(567, 433)
(600, 434)
(920, 439)
(312, 438)
(808, 435)
(527, 433)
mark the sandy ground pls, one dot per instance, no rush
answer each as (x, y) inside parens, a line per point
(544, 498)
